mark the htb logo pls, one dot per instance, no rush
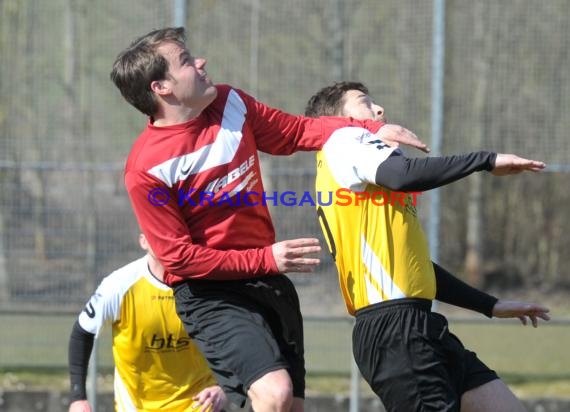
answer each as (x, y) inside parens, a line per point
(169, 342)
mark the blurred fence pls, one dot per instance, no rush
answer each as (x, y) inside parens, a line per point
(65, 220)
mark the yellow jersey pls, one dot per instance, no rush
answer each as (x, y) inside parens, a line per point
(373, 233)
(157, 366)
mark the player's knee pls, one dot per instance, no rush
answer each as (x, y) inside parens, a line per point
(276, 399)
(493, 395)
(280, 398)
(274, 391)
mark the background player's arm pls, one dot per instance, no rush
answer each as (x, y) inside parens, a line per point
(102, 307)
(79, 352)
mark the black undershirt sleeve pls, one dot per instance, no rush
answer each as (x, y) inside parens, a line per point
(79, 351)
(450, 289)
(400, 173)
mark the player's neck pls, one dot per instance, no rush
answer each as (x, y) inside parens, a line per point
(172, 116)
(155, 268)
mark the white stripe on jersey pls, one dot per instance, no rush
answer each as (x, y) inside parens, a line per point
(122, 397)
(220, 152)
(372, 293)
(379, 274)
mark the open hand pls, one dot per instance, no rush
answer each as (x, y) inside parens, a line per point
(521, 310)
(509, 164)
(290, 255)
(212, 399)
(394, 135)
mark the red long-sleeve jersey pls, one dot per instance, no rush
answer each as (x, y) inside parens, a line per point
(182, 181)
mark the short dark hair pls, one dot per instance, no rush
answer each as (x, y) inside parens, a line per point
(329, 100)
(140, 64)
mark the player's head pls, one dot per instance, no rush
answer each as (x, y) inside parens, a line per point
(157, 69)
(347, 99)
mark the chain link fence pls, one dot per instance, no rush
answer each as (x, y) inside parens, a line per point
(65, 219)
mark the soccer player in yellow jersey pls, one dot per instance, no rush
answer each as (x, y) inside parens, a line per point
(157, 366)
(388, 281)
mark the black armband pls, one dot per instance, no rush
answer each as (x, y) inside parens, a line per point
(400, 173)
(79, 351)
(452, 290)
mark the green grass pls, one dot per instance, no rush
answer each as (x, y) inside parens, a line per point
(534, 362)
(519, 351)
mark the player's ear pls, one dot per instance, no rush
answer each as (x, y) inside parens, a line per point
(160, 87)
(143, 242)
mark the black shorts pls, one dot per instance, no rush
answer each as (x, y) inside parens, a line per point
(245, 329)
(410, 359)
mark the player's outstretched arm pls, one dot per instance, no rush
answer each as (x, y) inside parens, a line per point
(291, 255)
(395, 135)
(522, 310)
(509, 164)
(211, 399)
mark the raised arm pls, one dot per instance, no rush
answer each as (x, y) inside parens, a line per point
(398, 172)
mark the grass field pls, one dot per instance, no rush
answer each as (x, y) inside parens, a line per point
(535, 362)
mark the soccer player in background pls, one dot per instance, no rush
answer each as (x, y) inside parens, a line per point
(404, 350)
(157, 366)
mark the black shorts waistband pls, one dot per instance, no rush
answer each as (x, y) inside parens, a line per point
(417, 303)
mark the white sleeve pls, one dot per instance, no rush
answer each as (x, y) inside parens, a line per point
(104, 306)
(354, 155)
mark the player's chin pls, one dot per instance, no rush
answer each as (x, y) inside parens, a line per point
(209, 93)
(207, 82)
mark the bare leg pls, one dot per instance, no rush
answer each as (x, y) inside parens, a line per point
(273, 392)
(493, 396)
(298, 405)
